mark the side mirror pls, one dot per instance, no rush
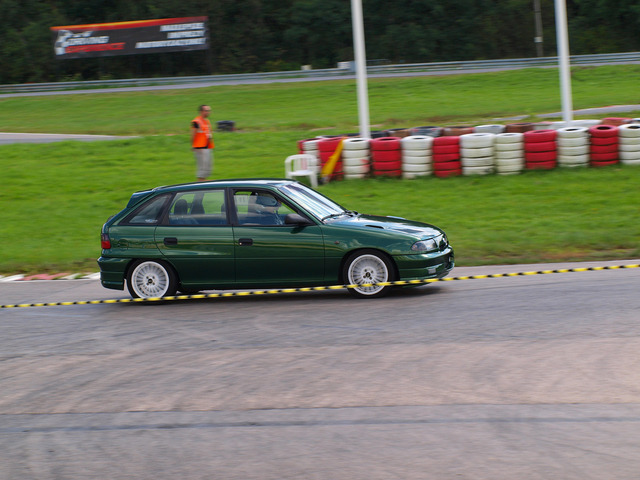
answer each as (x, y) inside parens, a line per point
(297, 219)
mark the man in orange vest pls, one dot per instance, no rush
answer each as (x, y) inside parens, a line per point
(202, 142)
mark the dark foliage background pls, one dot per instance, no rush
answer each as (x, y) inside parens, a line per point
(258, 35)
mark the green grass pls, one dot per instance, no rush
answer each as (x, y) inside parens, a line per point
(55, 197)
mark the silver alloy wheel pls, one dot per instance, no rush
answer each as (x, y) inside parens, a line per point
(150, 279)
(365, 269)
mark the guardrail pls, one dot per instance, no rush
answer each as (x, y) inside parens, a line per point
(327, 73)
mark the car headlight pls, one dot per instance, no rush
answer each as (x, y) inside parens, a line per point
(425, 245)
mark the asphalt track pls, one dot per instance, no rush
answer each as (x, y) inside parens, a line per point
(532, 377)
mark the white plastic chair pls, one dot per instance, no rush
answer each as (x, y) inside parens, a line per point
(300, 166)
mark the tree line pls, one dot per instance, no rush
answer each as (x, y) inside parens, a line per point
(261, 35)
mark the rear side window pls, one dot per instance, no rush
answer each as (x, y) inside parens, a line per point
(203, 207)
(149, 213)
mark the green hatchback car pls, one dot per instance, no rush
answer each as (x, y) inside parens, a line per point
(262, 233)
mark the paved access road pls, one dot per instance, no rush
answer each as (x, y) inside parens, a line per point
(533, 377)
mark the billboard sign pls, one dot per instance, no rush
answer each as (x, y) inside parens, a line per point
(129, 38)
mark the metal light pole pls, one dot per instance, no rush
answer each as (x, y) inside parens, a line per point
(563, 60)
(538, 21)
(361, 67)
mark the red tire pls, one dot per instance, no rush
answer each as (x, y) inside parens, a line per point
(386, 155)
(389, 173)
(603, 131)
(597, 149)
(446, 158)
(445, 149)
(541, 156)
(452, 165)
(604, 164)
(457, 131)
(540, 136)
(448, 173)
(615, 121)
(449, 140)
(387, 166)
(550, 165)
(540, 146)
(604, 157)
(385, 143)
(518, 127)
(603, 140)
(328, 145)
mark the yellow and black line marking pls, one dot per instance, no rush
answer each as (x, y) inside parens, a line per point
(254, 293)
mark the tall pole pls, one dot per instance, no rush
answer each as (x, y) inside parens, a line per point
(537, 13)
(361, 67)
(563, 60)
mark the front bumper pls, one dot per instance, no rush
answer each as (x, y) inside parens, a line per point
(425, 265)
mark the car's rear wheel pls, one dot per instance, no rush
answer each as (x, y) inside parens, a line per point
(151, 279)
(368, 267)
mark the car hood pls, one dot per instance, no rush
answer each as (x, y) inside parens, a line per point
(417, 230)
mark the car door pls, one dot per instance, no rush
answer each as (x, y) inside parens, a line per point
(197, 238)
(267, 251)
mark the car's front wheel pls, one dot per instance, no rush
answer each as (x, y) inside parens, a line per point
(368, 267)
(151, 279)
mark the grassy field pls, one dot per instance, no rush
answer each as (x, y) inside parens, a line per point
(55, 197)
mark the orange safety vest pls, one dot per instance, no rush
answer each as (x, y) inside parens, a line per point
(203, 137)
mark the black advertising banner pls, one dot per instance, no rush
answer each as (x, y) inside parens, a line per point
(129, 38)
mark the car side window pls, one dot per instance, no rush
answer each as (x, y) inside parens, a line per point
(255, 207)
(149, 213)
(198, 208)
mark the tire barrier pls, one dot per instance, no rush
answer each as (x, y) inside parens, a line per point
(509, 153)
(629, 143)
(540, 149)
(446, 157)
(255, 293)
(417, 156)
(604, 145)
(515, 147)
(386, 156)
(573, 147)
(476, 153)
(356, 162)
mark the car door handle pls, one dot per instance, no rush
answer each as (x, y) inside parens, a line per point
(170, 241)
(245, 242)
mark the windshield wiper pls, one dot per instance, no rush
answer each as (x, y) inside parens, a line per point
(346, 212)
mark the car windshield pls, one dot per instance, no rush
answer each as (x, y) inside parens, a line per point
(312, 201)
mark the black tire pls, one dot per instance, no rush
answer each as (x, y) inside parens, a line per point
(151, 279)
(368, 266)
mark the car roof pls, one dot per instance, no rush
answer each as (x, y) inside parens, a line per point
(235, 182)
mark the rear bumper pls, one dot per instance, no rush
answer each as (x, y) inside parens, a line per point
(426, 265)
(113, 272)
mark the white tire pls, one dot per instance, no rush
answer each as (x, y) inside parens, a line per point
(573, 142)
(412, 175)
(476, 152)
(413, 168)
(628, 148)
(509, 162)
(417, 160)
(629, 155)
(495, 129)
(628, 141)
(477, 162)
(509, 168)
(508, 147)
(509, 154)
(477, 140)
(573, 132)
(417, 153)
(631, 130)
(630, 162)
(310, 145)
(355, 143)
(511, 137)
(486, 170)
(583, 150)
(573, 160)
(417, 142)
(585, 123)
(356, 162)
(354, 176)
(355, 153)
(361, 169)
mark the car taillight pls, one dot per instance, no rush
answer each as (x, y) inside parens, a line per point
(105, 241)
